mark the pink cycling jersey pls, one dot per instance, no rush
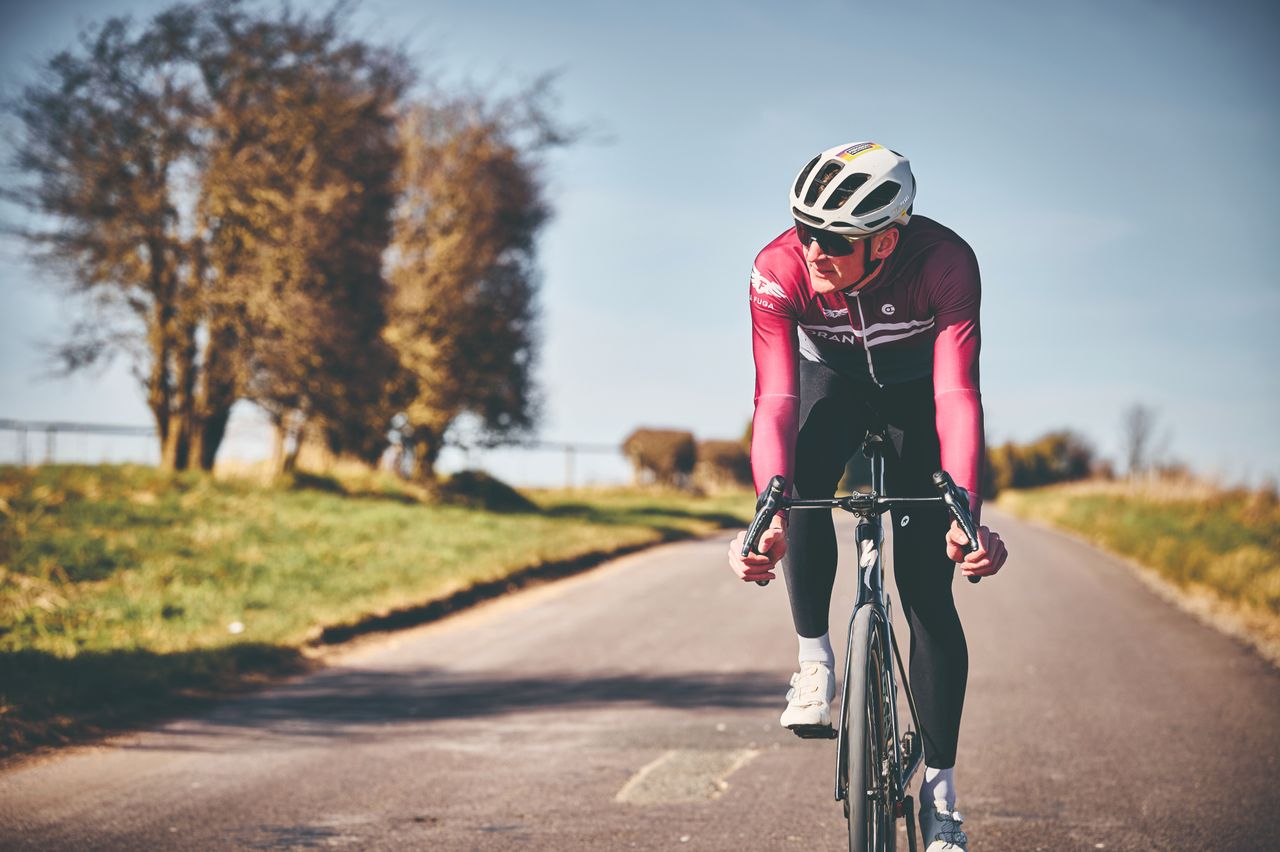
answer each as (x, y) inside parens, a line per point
(918, 317)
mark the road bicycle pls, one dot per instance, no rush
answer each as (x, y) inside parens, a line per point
(876, 754)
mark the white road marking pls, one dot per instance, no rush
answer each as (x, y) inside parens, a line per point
(684, 775)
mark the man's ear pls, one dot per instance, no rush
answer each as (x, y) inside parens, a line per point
(882, 245)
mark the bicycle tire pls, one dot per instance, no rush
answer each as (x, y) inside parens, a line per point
(868, 737)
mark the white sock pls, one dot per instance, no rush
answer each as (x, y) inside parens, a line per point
(938, 788)
(816, 650)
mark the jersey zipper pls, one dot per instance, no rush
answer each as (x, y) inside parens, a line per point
(866, 340)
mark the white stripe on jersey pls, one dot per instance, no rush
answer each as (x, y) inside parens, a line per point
(915, 326)
(885, 338)
(834, 329)
(887, 326)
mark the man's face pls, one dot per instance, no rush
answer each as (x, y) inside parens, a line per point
(835, 272)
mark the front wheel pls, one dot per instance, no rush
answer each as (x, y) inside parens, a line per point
(868, 736)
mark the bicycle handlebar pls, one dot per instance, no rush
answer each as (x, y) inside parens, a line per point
(772, 500)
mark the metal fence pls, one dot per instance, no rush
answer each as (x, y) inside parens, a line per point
(532, 463)
(536, 463)
(46, 442)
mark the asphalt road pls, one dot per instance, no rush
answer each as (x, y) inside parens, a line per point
(635, 707)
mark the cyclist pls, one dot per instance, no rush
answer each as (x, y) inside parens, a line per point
(864, 313)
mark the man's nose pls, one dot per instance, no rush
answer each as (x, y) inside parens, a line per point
(813, 251)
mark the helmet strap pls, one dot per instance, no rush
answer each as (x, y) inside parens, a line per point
(869, 269)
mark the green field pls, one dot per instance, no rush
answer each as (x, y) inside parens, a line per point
(123, 589)
(1224, 544)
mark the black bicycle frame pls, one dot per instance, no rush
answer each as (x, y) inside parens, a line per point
(869, 538)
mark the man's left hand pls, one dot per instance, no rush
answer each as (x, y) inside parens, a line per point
(986, 560)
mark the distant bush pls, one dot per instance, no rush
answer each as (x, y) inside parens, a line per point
(479, 490)
(722, 464)
(661, 456)
(1057, 457)
(304, 480)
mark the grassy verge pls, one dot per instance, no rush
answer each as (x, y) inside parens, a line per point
(1221, 548)
(123, 589)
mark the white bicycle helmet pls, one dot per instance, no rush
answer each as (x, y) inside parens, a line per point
(855, 189)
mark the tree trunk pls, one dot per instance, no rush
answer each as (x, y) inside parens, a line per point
(184, 412)
(426, 450)
(277, 447)
(290, 427)
(291, 454)
(160, 413)
(213, 428)
(158, 385)
(177, 445)
(216, 395)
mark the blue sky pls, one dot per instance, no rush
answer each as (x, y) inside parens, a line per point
(1111, 164)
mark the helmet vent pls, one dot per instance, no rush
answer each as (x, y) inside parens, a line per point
(800, 214)
(829, 170)
(876, 223)
(879, 197)
(847, 188)
(804, 173)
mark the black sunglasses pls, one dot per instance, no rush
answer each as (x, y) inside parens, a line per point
(832, 245)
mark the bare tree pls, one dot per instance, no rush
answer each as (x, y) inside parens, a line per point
(226, 185)
(106, 141)
(1138, 427)
(216, 187)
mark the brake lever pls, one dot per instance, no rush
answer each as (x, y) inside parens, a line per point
(768, 504)
(959, 510)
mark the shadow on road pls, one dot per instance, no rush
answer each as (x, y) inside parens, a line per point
(46, 699)
(354, 703)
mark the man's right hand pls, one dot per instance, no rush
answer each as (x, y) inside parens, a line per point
(755, 567)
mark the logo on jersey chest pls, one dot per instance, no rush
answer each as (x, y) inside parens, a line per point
(888, 310)
(833, 336)
(835, 312)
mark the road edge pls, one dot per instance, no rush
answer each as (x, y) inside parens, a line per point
(1201, 604)
(333, 643)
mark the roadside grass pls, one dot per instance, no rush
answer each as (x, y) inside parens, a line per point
(1223, 545)
(124, 589)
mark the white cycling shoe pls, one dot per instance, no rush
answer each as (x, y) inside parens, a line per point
(808, 712)
(940, 831)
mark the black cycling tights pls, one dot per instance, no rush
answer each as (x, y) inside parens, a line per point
(834, 416)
